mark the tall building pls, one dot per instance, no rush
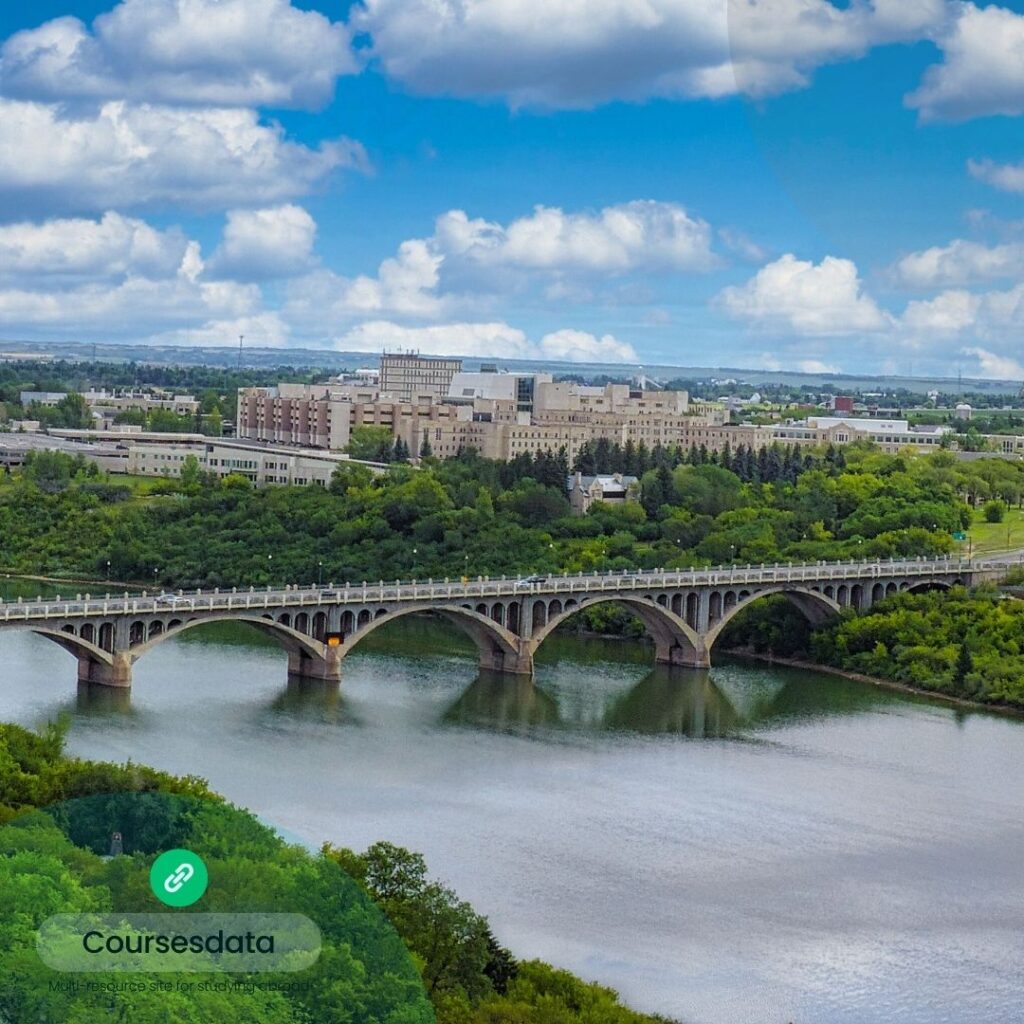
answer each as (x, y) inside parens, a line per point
(411, 378)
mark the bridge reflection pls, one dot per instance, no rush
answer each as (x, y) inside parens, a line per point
(666, 701)
(694, 703)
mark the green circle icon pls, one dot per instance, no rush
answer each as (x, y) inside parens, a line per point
(178, 878)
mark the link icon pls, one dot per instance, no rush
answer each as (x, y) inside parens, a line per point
(178, 878)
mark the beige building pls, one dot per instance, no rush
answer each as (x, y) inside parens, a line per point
(261, 465)
(410, 377)
(615, 489)
(325, 415)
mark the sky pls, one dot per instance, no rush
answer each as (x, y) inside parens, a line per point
(791, 184)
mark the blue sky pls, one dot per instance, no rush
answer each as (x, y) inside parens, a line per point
(766, 183)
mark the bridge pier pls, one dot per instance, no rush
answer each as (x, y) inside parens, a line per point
(304, 665)
(519, 663)
(671, 653)
(117, 674)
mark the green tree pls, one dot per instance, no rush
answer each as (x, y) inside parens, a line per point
(372, 444)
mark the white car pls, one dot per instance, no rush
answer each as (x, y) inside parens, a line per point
(168, 598)
(529, 581)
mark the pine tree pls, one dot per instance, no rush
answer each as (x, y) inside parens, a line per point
(964, 664)
(425, 450)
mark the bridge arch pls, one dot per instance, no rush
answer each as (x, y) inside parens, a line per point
(675, 641)
(499, 648)
(293, 641)
(816, 607)
(84, 650)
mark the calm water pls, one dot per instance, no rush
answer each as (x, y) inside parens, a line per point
(745, 845)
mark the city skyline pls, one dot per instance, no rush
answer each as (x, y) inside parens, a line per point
(786, 185)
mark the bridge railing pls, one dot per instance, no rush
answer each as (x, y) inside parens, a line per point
(483, 587)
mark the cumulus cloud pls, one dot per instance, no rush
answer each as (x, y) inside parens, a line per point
(404, 285)
(581, 347)
(261, 330)
(208, 52)
(1007, 177)
(579, 53)
(485, 339)
(948, 313)
(995, 366)
(642, 234)
(262, 244)
(127, 156)
(109, 247)
(129, 308)
(467, 339)
(960, 262)
(982, 71)
(794, 295)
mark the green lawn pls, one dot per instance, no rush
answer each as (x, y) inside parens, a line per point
(990, 537)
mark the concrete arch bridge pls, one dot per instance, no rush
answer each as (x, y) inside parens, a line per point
(684, 612)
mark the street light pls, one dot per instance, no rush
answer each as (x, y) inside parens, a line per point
(320, 573)
(108, 568)
(270, 567)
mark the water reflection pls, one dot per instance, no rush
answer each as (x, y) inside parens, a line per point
(726, 701)
(504, 703)
(675, 701)
(313, 700)
(95, 701)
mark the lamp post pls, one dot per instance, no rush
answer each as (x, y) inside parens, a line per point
(108, 568)
(270, 568)
(320, 573)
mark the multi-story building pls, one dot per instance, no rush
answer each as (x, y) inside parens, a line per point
(119, 400)
(324, 415)
(889, 435)
(411, 377)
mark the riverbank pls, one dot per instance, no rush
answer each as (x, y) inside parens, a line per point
(67, 579)
(879, 681)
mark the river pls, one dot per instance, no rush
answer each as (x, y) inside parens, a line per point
(752, 844)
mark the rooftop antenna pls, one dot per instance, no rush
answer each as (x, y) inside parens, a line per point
(241, 339)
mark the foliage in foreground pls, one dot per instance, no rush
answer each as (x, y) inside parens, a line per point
(367, 972)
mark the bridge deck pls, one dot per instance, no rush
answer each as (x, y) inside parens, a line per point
(21, 612)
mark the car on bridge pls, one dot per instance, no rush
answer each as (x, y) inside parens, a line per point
(170, 599)
(529, 581)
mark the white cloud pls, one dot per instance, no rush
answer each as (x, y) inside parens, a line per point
(208, 52)
(1008, 177)
(960, 262)
(642, 234)
(794, 295)
(125, 155)
(816, 366)
(109, 247)
(982, 72)
(493, 339)
(996, 366)
(132, 308)
(581, 347)
(467, 263)
(404, 285)
(261, 330)
(263, 244)
(577, 53)
(948, 313)
(467, 339)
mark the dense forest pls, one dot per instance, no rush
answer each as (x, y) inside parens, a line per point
(958, 643)
(471, 516)
(398, 947)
